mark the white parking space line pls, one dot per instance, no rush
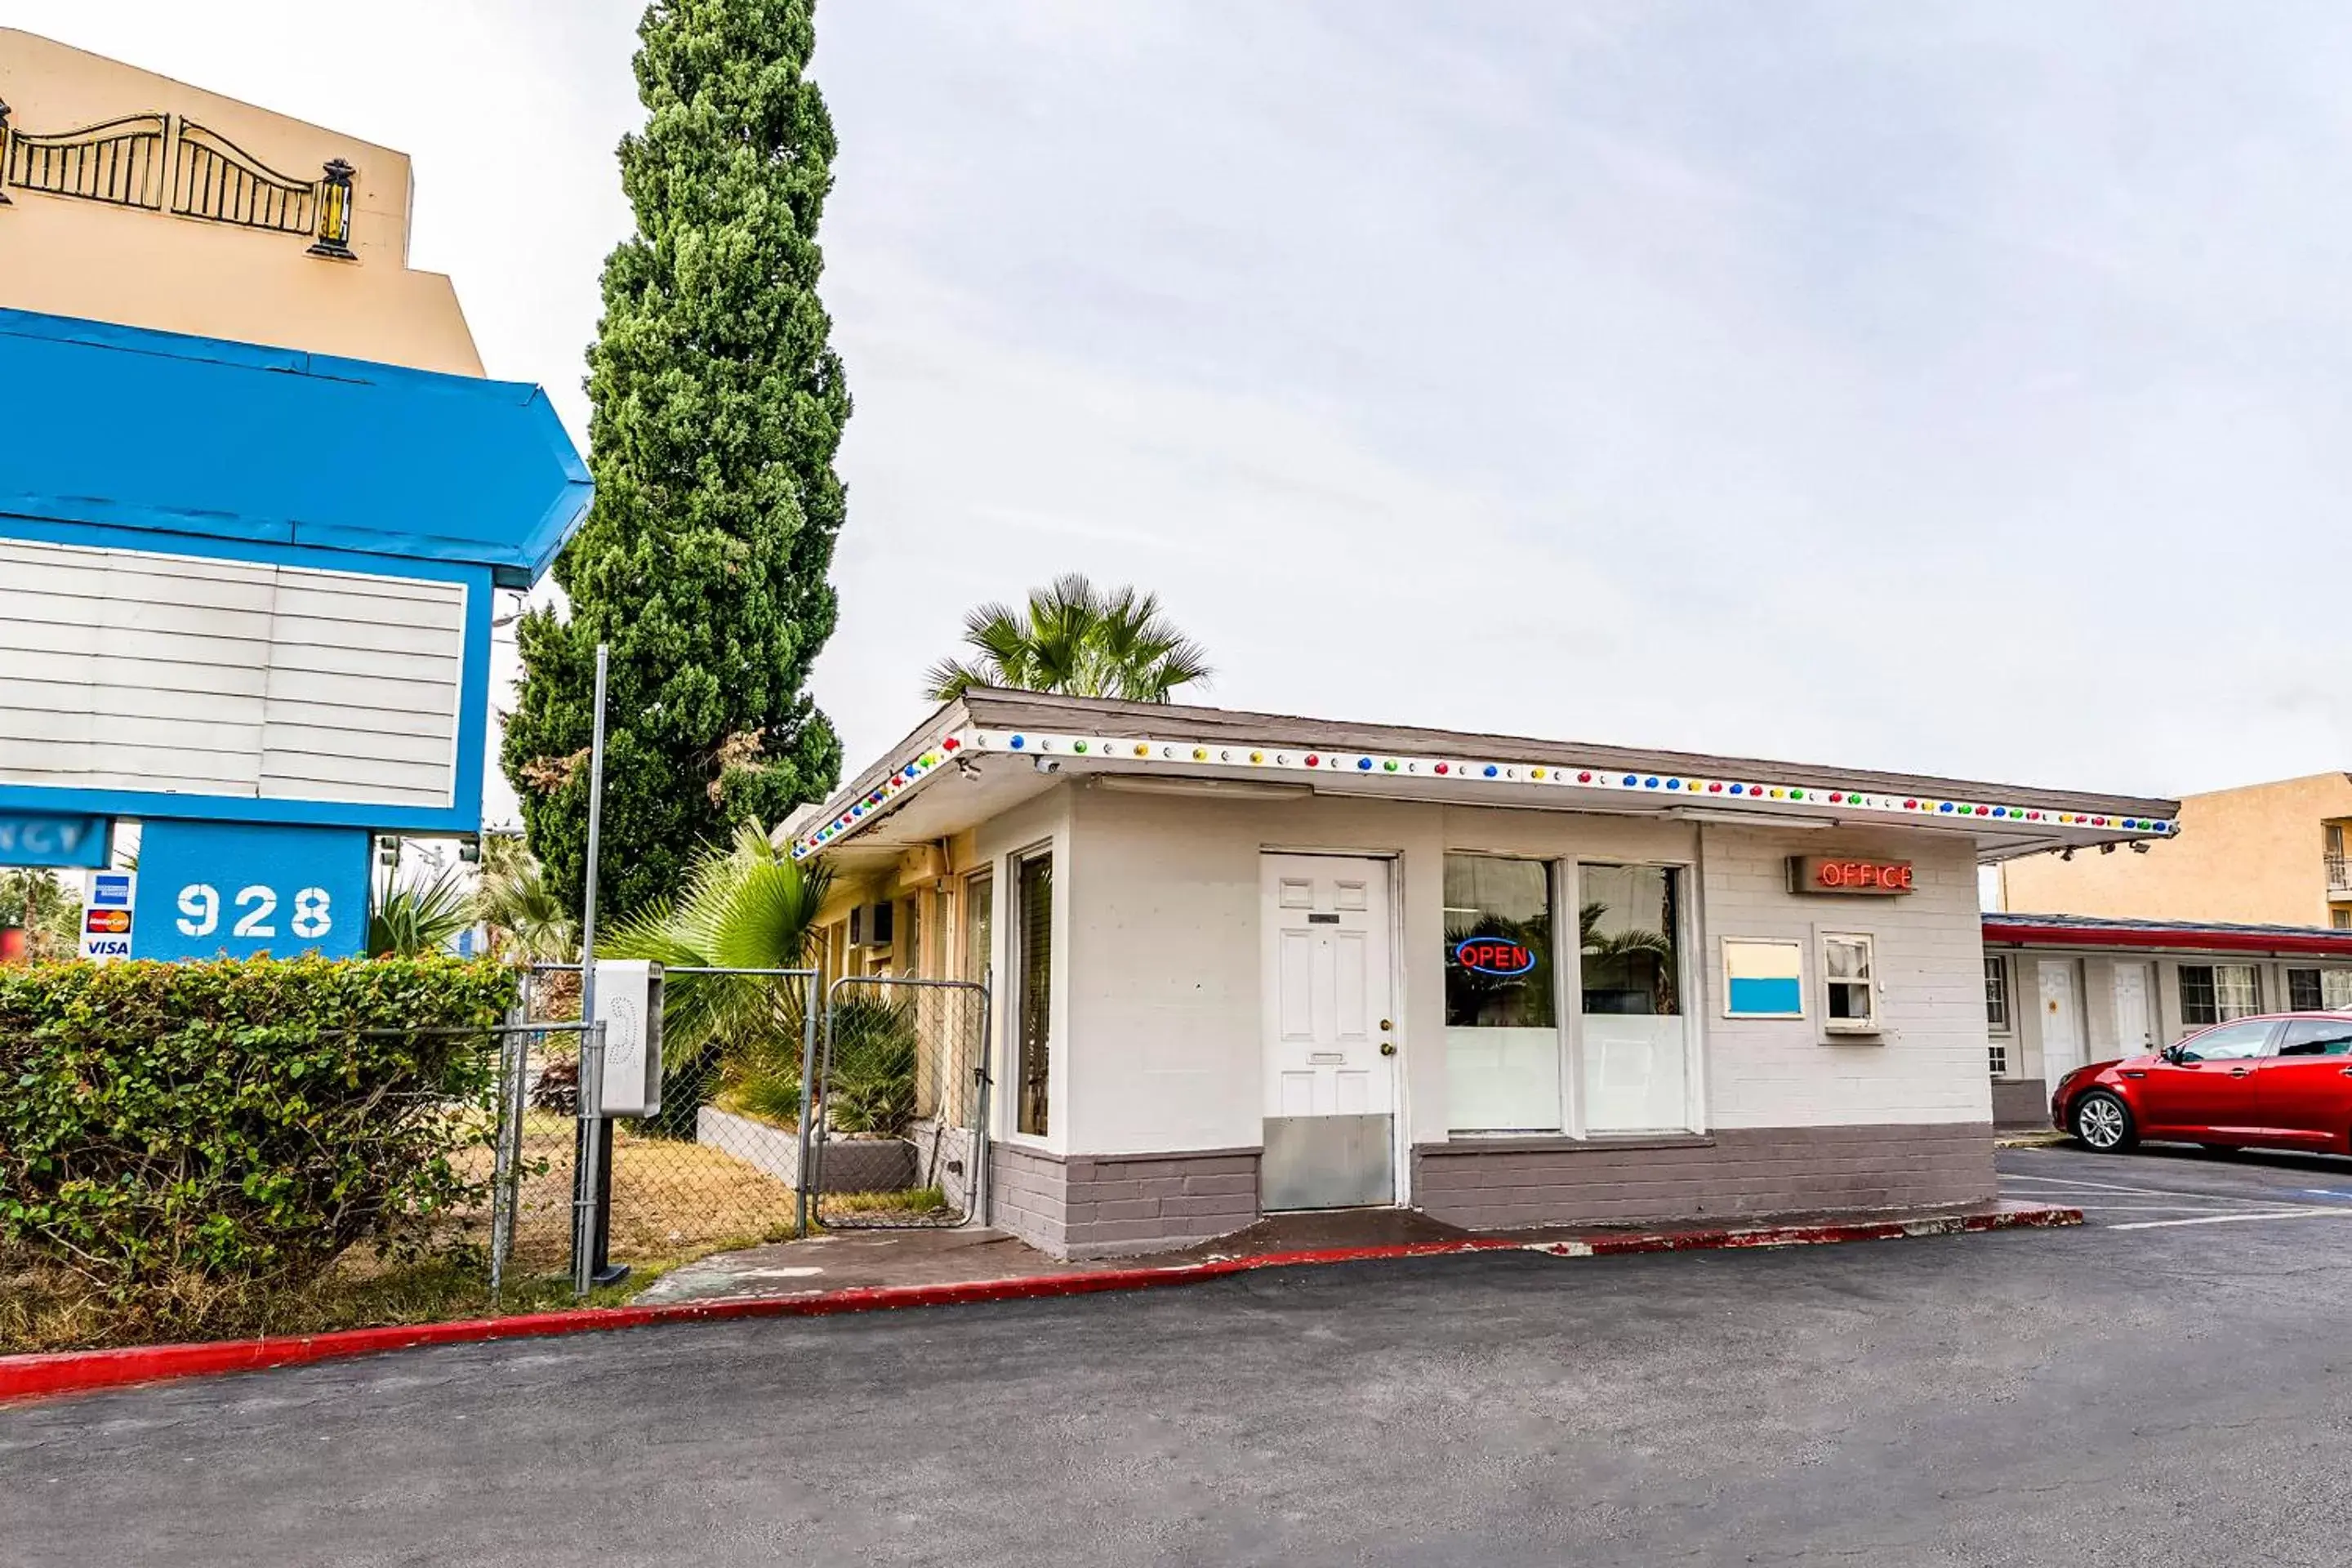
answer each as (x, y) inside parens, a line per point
(2071, 1185)
(2233, 1218)
(2141, 1209)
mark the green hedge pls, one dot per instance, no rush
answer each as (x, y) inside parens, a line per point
(232, 1120)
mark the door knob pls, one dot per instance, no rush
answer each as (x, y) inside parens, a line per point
(1388, 1049)
(1386, 1026)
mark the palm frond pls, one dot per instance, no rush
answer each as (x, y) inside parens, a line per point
(1074, 638)
(421, 917)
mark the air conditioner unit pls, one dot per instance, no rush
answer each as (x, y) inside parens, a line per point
(869, 925)
(629, 1005)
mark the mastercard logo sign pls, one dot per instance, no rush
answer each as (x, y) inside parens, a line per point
(105, 923)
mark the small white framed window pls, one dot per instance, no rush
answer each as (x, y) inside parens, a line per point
(1763, 978)
(1849, 983)
(1997, 1019)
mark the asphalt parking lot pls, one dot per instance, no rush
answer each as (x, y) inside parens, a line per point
(2171, 1383)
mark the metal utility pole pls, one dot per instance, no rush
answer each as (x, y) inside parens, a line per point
(593, 1154)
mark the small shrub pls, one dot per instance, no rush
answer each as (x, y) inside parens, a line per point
(873, 1060)
(237, 1120)
(771, 1097)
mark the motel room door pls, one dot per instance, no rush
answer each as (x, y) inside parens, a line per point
(2135, 1019)
(1330, 1036)
(2061, 1020)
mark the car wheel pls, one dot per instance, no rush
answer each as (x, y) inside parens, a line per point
(2104, 1123)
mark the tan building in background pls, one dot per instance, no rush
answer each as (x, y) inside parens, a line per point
(136, 199)
(2268, 853)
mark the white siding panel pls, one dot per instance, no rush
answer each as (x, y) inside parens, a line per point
(311, 598)
(22, 635)
(97, 703)
(87, 640)
(364, 693)
(358, 789)
(200, 620)
(131, 670)
(156, 675)
(407, 637)
(440, 669)
(374, 745)
(332, 716)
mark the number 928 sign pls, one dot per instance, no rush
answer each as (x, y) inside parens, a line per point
(230, 890)
(200, 912)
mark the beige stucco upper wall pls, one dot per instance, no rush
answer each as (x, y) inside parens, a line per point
(2243, 855)
(73, 257)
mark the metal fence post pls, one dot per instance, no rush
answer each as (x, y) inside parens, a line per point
(809, 1104)
(587, 1202)
(593, 1156)
(506, 1175)
(986, 1072)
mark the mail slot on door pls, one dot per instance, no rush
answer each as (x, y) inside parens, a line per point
(1328, 1059)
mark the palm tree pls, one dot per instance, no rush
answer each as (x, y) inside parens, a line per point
(421, 915)
(47, 909)
(523, 912)
(1075, 639)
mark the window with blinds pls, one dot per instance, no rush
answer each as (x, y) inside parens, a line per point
(1033, 932)
(979, 925)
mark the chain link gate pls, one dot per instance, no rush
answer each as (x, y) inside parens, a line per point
(900, 1139)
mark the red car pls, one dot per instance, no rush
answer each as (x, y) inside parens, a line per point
(2281, 1081)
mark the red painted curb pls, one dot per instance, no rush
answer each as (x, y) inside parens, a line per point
(78, 1371)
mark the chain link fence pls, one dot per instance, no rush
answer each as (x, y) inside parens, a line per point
(893, 1136)
(905, 1100)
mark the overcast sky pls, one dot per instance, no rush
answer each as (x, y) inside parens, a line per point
(1952, 387)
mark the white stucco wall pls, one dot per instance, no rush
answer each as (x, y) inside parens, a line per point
(1927, 1064)
(1042, 821)
(1159, 1041)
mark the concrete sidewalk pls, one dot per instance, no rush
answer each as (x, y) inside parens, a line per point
(869, 1260)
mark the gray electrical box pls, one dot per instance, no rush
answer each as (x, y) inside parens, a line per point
(629, 1005)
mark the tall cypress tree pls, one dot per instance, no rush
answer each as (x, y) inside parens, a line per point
(719, 405)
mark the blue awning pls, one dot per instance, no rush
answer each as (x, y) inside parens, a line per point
(126, 429)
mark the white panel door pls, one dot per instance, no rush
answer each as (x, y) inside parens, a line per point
(1328, 1005)
(2061, 1023)
(2134, 1025)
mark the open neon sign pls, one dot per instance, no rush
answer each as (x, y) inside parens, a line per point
(1493, 955)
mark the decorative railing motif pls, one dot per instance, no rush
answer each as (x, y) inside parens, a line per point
(119, 163)
(213, 177)
(161, 162)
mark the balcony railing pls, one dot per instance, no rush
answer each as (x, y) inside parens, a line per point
(2339, 876)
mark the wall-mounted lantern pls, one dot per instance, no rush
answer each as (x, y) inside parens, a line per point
(335, 213)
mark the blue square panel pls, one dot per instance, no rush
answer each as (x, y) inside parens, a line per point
(229, 889)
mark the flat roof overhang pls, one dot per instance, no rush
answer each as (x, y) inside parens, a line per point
(986, 754)
(2068, 931)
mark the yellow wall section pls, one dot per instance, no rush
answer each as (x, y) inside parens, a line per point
(73, 257)
(2249, 855)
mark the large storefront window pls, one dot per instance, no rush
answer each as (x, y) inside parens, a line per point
(1636, 1047)
(1033, 932)
(1502, 1025)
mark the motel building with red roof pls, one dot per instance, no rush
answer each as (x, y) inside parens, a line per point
(2064, 990)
